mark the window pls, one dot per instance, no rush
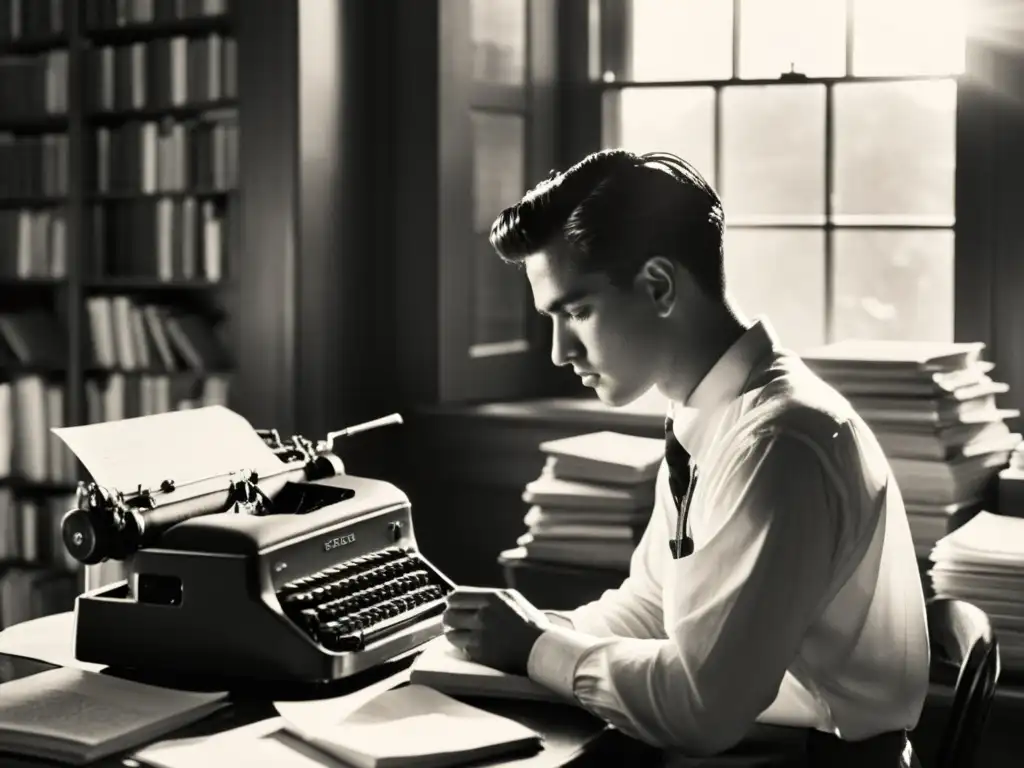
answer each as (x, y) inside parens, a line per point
(497, 134)
(828, 128)
(498, 34)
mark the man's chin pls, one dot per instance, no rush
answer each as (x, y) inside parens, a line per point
(614, 396)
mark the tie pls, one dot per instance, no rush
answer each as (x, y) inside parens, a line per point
(682, 476)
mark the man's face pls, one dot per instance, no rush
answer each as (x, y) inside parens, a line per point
(608, 334)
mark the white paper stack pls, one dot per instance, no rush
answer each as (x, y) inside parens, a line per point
(933, 408)
(592, 500)
(982, 562)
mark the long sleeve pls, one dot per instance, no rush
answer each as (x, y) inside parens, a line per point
(740, 606)
(634, 609)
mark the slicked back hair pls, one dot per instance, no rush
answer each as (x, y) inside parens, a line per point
(618, 209)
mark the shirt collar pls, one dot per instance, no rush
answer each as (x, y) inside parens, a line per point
(722, 385)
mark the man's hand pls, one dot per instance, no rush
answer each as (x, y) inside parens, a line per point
(495, 627)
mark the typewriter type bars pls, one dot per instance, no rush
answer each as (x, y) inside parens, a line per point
(350, 606)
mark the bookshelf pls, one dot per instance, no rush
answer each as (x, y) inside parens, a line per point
(119, 143)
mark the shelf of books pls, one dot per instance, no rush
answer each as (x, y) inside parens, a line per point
(118, 140)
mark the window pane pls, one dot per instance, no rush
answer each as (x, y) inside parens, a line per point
(895, 149)
(773, 151)
(808, 36)
(895, 284)
(676, 40)
(500, 295)
(677, 120)
(498, 159)
(498, 34)
(498, 182)
(780, 274)
(908, 37)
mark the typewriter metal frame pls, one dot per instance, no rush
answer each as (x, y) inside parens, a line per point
(180, 610)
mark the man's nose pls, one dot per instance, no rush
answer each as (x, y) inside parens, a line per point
(564, 346)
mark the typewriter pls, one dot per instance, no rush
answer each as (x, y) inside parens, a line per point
(294, 573)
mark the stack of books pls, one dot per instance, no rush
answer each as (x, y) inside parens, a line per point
(592, 500)
(933, 408)
(982, 563)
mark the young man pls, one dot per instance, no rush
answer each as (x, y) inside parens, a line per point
(776, 581)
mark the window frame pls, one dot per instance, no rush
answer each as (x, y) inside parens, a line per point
(612, 27)
(518, 371)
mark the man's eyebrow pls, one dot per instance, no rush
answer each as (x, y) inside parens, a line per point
(560, 303)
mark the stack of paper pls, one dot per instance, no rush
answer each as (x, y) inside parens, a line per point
(592, 500)
(932, 407)
(982, 562)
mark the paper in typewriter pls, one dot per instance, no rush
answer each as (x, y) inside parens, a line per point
(181, 446)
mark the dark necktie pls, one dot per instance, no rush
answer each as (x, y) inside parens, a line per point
(682, 477)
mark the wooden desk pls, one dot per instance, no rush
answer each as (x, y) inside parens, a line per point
(572, 737)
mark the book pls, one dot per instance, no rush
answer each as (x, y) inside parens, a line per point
(615, 555)
(549, 491)
(548, 516)
(445, 668)
(75, 716)
(951, 442)
(417, 727)
(895, 356)
(605, 457)
(914, 383)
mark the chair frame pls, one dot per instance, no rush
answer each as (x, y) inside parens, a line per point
(961, 636)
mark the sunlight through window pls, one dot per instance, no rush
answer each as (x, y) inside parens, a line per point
(838, 183)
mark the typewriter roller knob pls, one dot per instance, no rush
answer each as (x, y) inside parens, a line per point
(86, 538)
(90, 535)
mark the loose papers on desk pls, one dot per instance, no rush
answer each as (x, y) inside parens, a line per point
(50, 639)
(381, 726)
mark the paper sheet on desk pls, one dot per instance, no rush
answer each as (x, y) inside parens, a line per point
(277, 750)
(239, 746)
(318, 713)
(50, 639)
(179, 445)
(265, 744)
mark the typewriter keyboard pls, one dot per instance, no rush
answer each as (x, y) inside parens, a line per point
(349, 606)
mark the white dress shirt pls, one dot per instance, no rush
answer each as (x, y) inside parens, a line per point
(802, 603)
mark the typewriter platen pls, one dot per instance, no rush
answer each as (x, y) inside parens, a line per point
(305, 574)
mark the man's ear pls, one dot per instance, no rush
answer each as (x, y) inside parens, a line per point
(657, 279)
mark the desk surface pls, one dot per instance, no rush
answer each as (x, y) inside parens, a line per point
(571, 736)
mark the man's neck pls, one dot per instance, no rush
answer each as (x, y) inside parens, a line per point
(706, 345)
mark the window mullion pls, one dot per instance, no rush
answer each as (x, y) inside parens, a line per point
(850, 11)
(829, 184)
(736, 38)
(717, 141)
